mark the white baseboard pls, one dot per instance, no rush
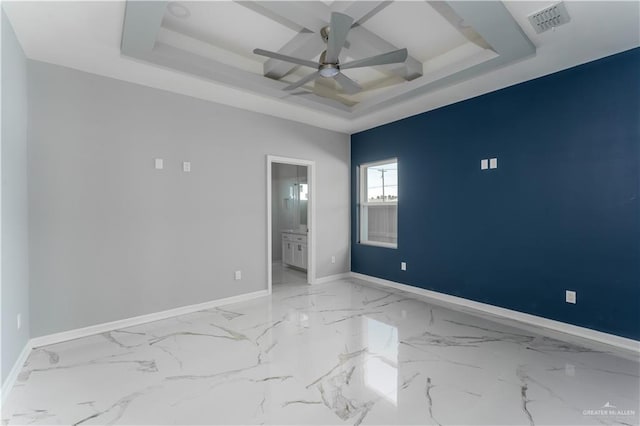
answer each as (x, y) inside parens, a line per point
(534, 323)
(13, 374)
(142, 319)
(330, 278)
(50, 339)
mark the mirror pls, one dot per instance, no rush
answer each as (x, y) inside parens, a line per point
(296, 199)
(303, 201)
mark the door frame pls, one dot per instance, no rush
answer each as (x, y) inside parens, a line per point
(311, 215)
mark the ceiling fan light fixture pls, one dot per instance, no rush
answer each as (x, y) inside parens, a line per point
(329, 65)
(329, 70)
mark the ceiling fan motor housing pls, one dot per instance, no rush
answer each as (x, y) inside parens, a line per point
(327, 69)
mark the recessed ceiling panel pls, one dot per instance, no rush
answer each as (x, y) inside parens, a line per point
(227, 25)
(89, 36)
(216, 40)
(416, 26)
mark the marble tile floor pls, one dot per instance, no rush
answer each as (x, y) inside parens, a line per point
(342, 353)
(281, 274)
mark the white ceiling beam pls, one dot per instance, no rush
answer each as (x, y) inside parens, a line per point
(211, 69)
(312, 15)
(305, 45)
(458, 23)
(493, 22)
(360, 10)
(497, 27)
(309, 16)
(142, 21)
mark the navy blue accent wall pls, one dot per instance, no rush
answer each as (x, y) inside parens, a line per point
(560, 212)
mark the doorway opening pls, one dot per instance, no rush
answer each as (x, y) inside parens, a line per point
(290, 230)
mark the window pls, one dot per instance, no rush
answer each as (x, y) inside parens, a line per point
(379, 203)
(304, 192)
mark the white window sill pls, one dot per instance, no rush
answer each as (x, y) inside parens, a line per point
(379, 244)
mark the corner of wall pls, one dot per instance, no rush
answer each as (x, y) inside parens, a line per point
(14, 264)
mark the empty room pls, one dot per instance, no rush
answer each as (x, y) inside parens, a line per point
(320, 212)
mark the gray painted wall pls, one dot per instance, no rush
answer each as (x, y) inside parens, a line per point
(112, 238)
(15, 264)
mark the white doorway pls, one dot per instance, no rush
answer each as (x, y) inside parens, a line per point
(290, 221)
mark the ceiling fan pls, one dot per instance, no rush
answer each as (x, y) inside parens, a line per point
(329, 66)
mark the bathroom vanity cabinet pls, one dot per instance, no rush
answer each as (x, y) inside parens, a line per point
(294, 250)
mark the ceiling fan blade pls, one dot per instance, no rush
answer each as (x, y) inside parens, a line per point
(349, 86)
(392, 57)
(286, 58)
(325, 85)
(303, 81)
(339, 28)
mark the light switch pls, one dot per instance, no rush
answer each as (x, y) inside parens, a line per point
(159, 164)
(186, 166)
(493, 163)
(238, 275)
(484, 164)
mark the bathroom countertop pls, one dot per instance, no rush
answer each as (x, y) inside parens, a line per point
(294, 231)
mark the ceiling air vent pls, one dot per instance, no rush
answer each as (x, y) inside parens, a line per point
(551, 17)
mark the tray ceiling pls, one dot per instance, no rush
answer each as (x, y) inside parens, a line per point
(447, 42)
(457, 50)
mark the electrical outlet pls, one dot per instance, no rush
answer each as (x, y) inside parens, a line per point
(570, 296)
(403, 266)
(238, 275)
(19, 321)
(333, 259)
(186, 166)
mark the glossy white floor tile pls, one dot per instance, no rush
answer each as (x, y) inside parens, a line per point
(346, 352)
(285, 275)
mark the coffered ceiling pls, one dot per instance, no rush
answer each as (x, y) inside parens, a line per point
(447, 42)
(204, 49)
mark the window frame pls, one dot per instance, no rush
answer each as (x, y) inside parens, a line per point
(363, 204)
